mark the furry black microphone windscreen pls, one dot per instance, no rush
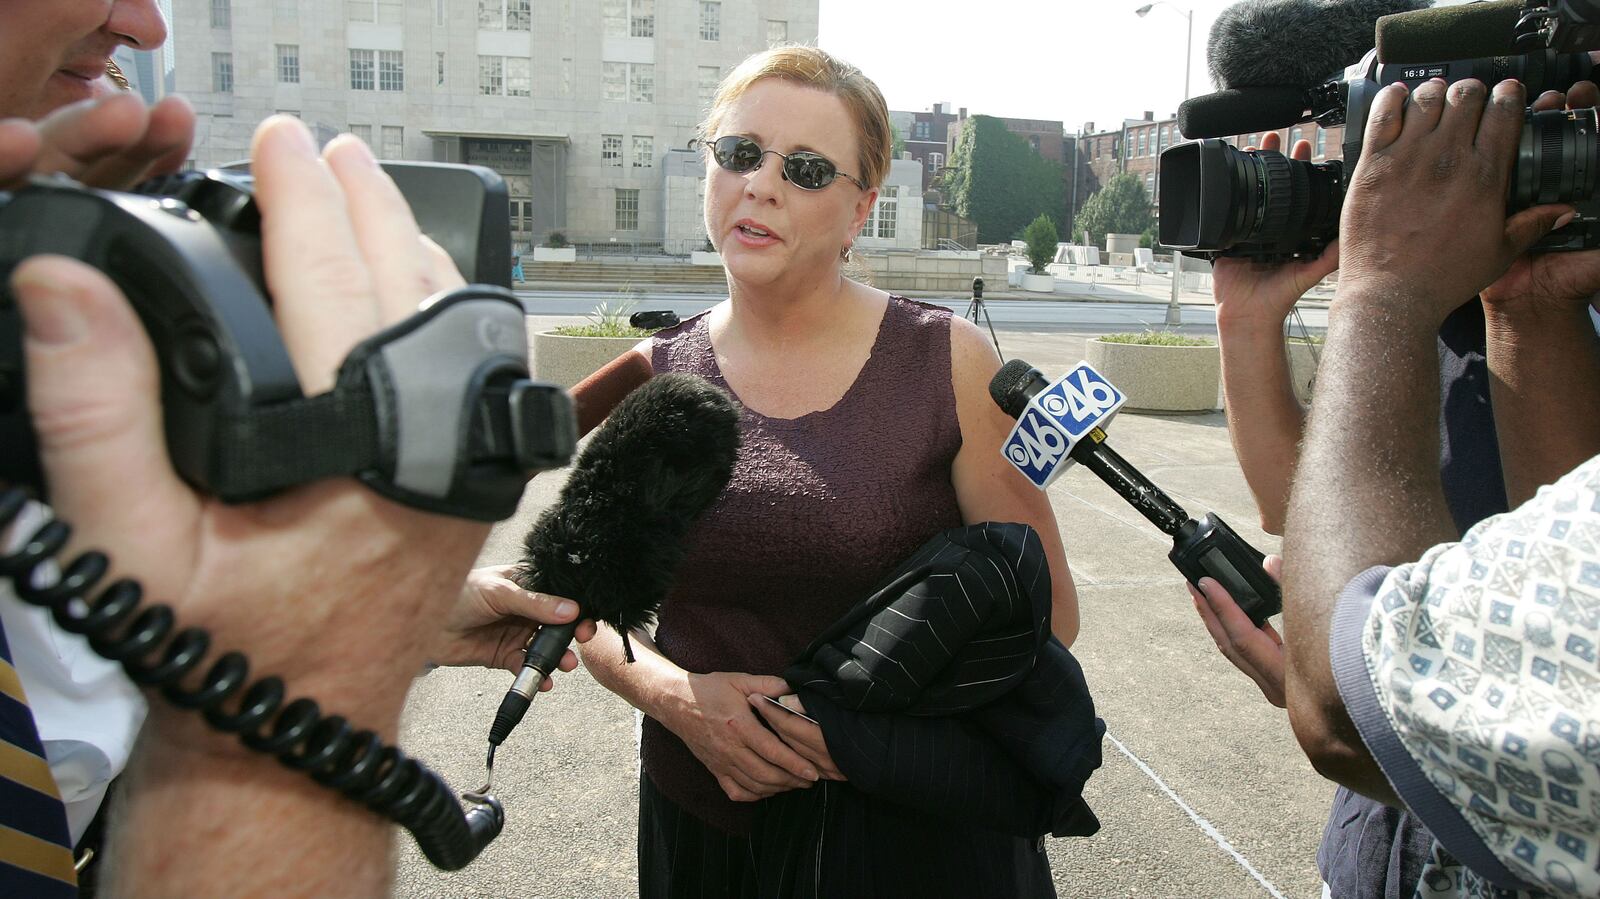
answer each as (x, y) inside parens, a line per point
(1294, 43)
(614, 538)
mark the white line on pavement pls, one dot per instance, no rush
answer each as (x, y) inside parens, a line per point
(1194, 816)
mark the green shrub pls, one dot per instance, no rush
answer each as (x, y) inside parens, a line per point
(1041, 237)
(605, 322)
(556, 240)
(1157, 338)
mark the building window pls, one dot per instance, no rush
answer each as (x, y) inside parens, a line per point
(935, 162)
(642, 18)
(391, 70)
(1322, 141)
(519, 76)
(439, 19)
(710, 77)
(519, 15)
(1142, 140)
(221, 14)
(644, 151)
(289, 63)
(882, 219)
(1254, 141)
(222, 73)
(920, 131)
(438, 68)
(777, 32)
(710, 20)
(394, 142)
(611, 150)
(641, 83)
(614, 81)
(1150, 183)
(386, 12)
(363, 132)
(363, 64)
(614, 17)
(491, 75)
(505, 15)
(627, 209)
(566, 76)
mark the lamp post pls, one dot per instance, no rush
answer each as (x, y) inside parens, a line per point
(1174, 312)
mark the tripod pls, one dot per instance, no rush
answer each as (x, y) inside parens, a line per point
(976, 309)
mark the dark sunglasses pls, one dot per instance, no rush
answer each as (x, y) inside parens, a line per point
(803, 169)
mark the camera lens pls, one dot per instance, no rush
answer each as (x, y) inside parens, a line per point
(1215, 198)
(1556, 161)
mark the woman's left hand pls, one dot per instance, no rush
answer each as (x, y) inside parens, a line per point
(802, 736)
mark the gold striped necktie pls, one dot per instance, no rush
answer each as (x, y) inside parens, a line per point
(35, 846)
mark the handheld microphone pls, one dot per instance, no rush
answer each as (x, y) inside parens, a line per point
(1053, 420)
(1449, 32)
(594, 397)
(613, 540)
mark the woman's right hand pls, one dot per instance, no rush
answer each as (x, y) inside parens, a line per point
(1246, 289)
(716, 722)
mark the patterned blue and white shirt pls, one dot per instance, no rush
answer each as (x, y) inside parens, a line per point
(1472, 676)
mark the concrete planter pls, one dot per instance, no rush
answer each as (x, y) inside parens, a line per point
(567, 360)
(1038, 283)
(700, 257)
(1160, 378)
(555, 254)
(1302, 368)
(1123, 243)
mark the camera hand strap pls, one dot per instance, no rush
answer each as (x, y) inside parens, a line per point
(436, 412)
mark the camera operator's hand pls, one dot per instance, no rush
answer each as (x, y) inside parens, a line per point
(493, 619)
(110, 142)
(1555, 282)
(1257, 651)
(331, 586)
(1424, 222)
(1248, 291)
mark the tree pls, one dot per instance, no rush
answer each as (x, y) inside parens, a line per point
(1041, 238)
(1121, 207)
(897, 142)
(995, 179)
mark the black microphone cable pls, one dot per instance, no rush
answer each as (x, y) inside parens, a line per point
(146, 642)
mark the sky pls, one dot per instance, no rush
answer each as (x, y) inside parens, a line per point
(1074, 60)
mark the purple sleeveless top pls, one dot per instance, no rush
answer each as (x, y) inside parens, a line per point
(819, 509)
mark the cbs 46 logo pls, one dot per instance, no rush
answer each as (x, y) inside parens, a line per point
(1079, 399)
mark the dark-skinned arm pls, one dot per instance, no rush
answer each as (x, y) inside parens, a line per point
(1544, 359)
(1367, 491)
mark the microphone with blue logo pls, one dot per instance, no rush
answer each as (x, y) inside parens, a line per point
(1063, 421)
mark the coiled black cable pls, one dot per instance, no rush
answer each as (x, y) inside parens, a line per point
(355, 763)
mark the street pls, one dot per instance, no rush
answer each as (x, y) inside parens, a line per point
(1048, 314)
(1203, 792)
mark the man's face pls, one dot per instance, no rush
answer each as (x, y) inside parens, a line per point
(54, 52)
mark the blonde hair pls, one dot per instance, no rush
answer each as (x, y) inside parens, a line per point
(811, 67)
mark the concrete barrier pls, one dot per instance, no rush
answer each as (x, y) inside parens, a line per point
(1160, 378)
(564, 360)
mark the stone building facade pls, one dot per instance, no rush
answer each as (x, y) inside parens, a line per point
(577, 103)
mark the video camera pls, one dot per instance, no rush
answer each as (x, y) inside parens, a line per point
(1217, 200)
(1563, 25)
(436, 412)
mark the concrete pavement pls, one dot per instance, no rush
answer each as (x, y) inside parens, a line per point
(1203, 792)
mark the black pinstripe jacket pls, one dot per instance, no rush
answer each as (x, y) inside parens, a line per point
(946, 695)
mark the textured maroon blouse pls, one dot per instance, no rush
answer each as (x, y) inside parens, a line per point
(819, 509)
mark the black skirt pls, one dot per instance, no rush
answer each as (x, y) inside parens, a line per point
(830, 840)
